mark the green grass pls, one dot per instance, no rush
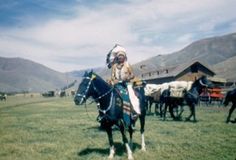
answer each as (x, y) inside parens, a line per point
(54, 128)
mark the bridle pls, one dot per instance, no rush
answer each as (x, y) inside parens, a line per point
(104, 111)
(200, 81)
(83, 96)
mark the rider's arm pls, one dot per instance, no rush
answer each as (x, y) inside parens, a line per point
(130, 72)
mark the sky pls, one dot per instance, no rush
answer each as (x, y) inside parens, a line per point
(67, 35)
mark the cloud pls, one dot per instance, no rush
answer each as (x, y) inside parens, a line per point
(83, 36)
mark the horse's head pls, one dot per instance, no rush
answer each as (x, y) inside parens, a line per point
(204, 82)
(85, 88)
(201, 83)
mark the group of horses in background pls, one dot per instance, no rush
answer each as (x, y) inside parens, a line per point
(161, 95)
(167, 96)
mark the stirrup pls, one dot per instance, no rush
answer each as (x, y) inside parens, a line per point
(134, 116)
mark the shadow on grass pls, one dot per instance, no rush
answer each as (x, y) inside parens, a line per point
(99, 128)
(119, 147)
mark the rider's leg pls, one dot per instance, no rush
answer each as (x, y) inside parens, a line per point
(133, 99)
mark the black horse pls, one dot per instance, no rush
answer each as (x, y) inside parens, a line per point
(190, 98)
(230, 97)
(160, 99)
(110, 108)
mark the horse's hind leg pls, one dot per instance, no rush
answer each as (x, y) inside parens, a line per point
(110, 139)
(125, 141)
(142, 124)
(230, 112)
(192, 113)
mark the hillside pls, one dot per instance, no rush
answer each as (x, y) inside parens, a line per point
(208, 51)
(19, 75)
(226, 69)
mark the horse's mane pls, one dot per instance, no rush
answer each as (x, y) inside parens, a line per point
(99, 78)
(199, 81)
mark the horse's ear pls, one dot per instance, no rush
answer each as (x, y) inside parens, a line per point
(93, 76)
(85, 74)
(204, 77)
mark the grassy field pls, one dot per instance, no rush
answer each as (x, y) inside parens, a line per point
(54, 128)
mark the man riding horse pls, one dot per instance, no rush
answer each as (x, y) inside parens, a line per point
(114, 104)
(122, 75)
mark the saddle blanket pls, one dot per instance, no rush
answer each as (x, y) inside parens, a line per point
(126, 104)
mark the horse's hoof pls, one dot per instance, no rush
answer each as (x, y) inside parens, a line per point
(187, 119)
(144, 149)
(130, 158)
(177, 119)
(233, 121)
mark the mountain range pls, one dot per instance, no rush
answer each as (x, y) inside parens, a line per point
(22, 75)
(219, 53)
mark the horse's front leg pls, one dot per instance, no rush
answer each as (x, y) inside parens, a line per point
(131, 137)
(192, 113)
(165, 110)
(110, 139)
(230, 112)
(156, 109)
(150, 107)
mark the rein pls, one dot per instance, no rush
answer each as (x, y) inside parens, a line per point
(104, 111)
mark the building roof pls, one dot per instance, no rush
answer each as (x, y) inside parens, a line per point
(217, 79)
(172, 71)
